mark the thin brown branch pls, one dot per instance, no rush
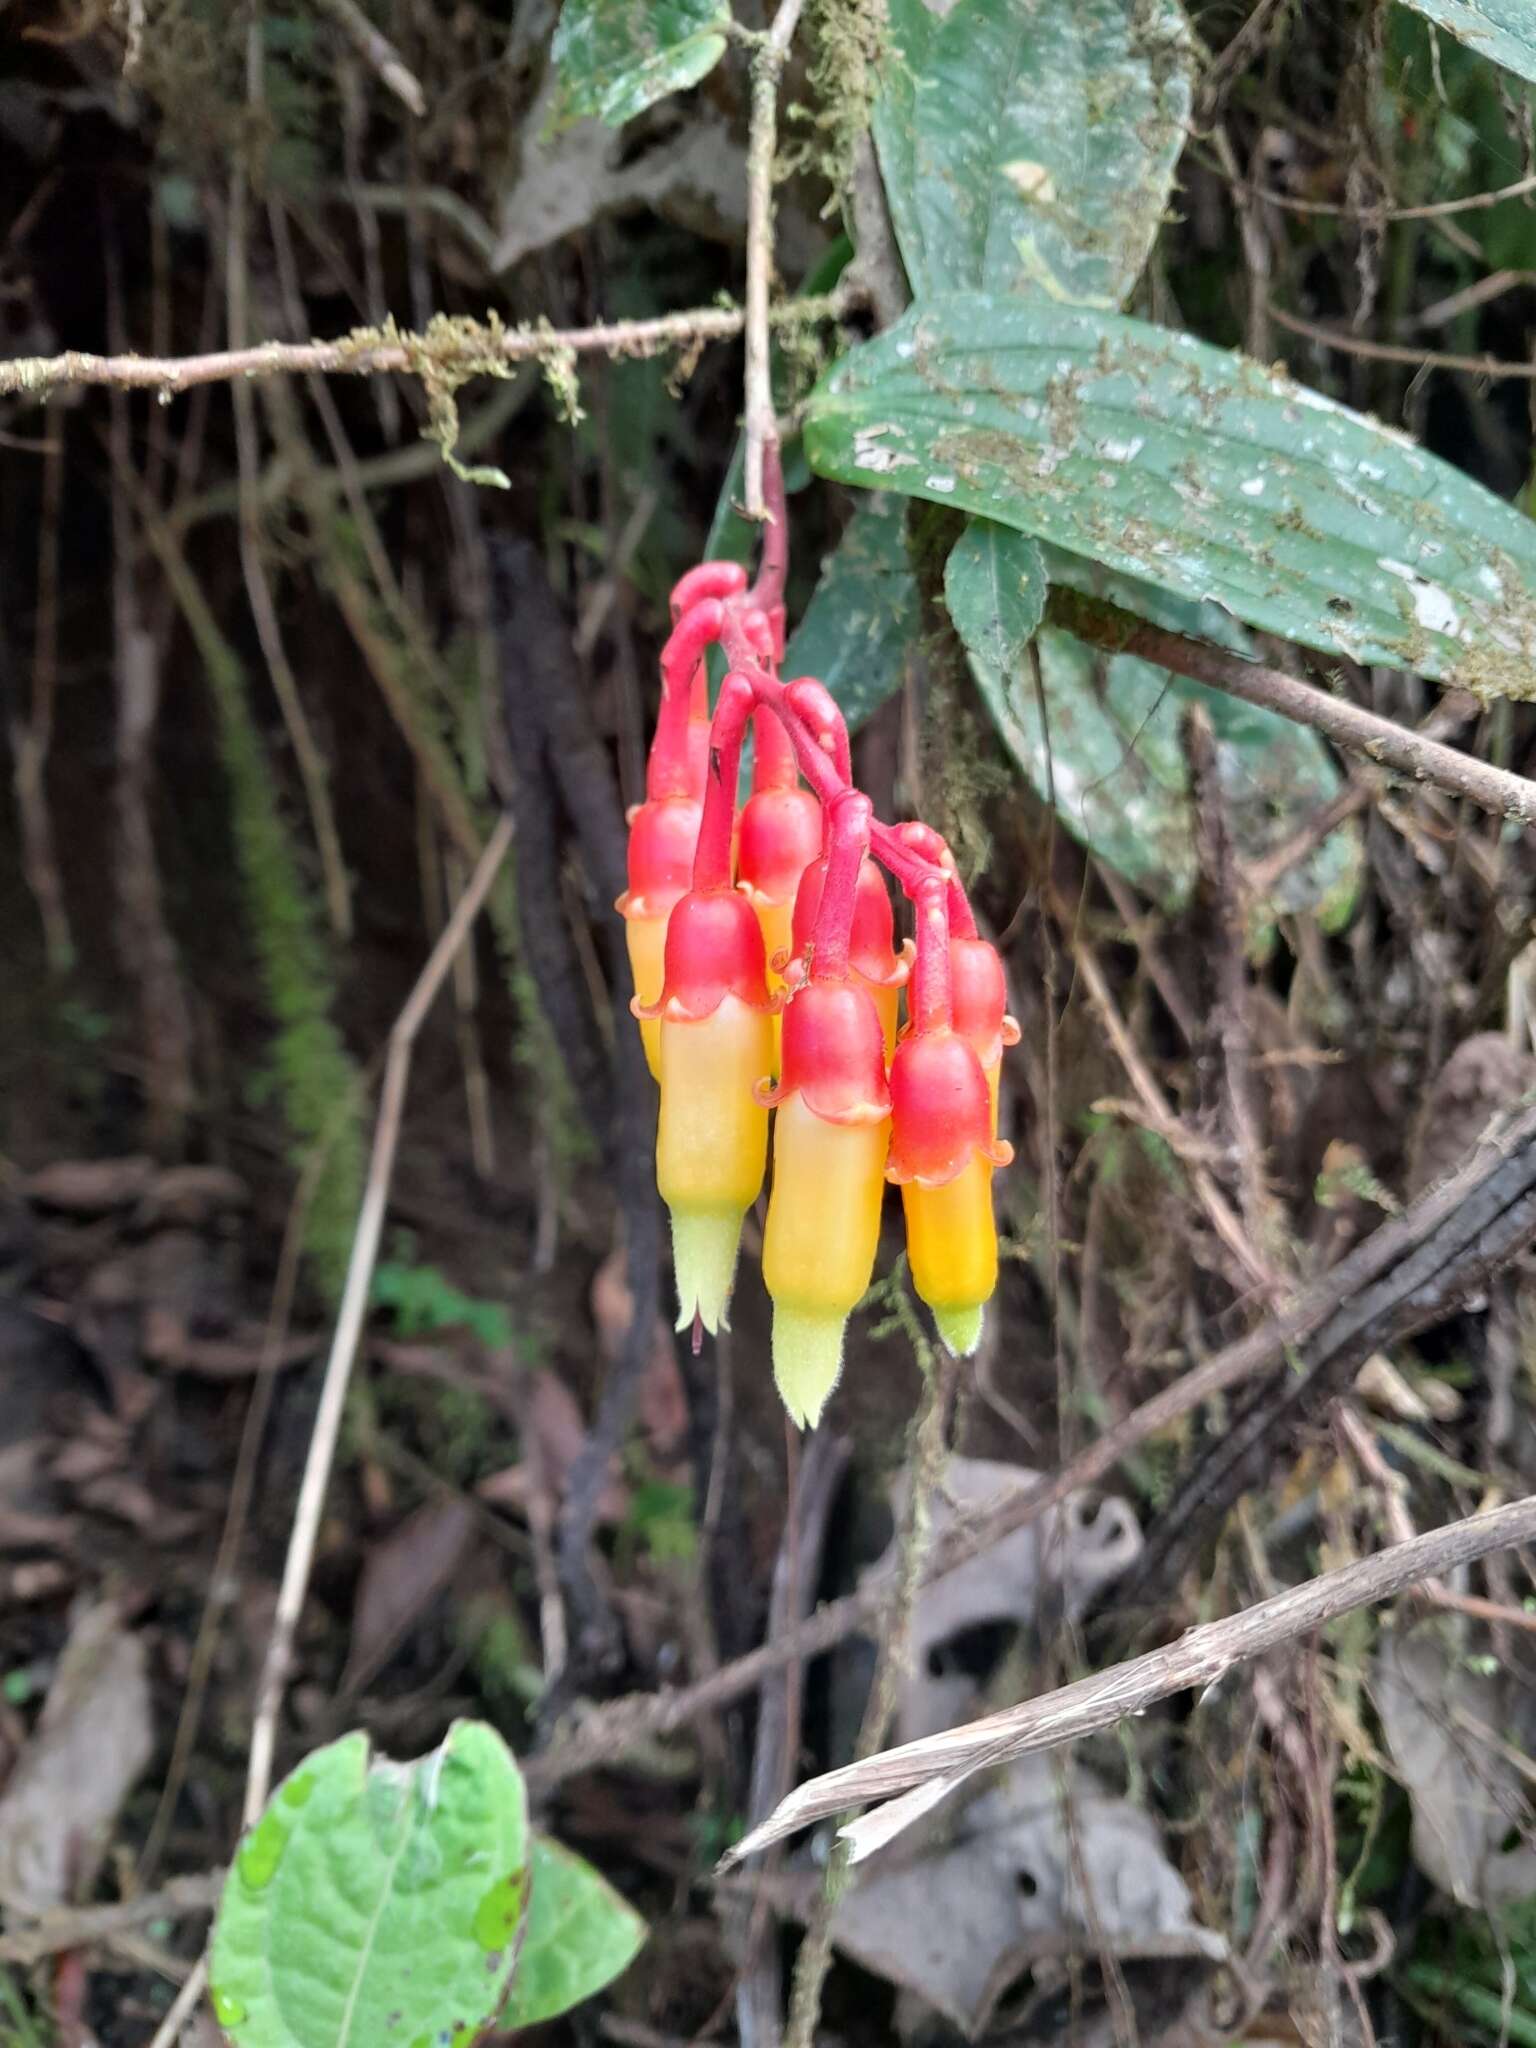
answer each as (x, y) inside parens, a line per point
(73, 1926)
(1440, 209)
(1399, 352)
(1200, 1658)
(448, 348)
(1409, 754)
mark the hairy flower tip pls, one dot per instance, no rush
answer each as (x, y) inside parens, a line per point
(779, 835)
(941, 1110)
(704, 1247)
(714, 950)
(978, 998)
(807, 1360)
(872, 948)
(833, 1054)
(663, 836)
(960, 1328)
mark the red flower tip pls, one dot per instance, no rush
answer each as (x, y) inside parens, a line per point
(941, 1110)
(663, 834)
(872, 948)
(926, 843)
(833, 1054)
(714, 950)
(780, 836)
(709, 579)
(978, 998)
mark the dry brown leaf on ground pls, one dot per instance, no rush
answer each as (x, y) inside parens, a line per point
(1445, 1721)
(92, 1740)
(401, 1578)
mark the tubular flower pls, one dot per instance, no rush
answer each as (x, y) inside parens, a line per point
(943, 1149)
(875, 963)
(830, 1137)
(779, 835)
(979, 1006)
(663, 833)
(715, 1017)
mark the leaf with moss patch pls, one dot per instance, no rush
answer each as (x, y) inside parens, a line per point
(1032, 147)
(1503, 31)
(1193, 469)
(617, 57)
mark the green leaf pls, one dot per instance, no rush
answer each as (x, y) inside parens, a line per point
(995, 588)
(617, 57)
(1504, 31)
(862, 613)
(581, 1935)
(376, 1902)
(1029, 146)
(1191, 468)
(1107, 750)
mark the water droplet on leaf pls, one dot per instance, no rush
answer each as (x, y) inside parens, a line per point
(229, 2012)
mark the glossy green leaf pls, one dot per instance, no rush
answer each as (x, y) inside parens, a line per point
(1504, 31)
(376, 1902)
(1194, 469)
(1029, 146)
(862, 614)
(617, 57)
(1104, 745)
(581, 1935)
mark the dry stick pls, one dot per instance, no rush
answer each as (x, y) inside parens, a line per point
(468, 347)
(1199, 1658)
(171, 2027)
(1399, 352)
(762, 135)
(32, 737)
(349, 1320)
(1409, 754)
(376, 51)
(73, 1927)
(1390, 1263)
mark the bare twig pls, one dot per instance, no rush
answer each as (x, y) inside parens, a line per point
(377, 52)
(1412, 1267)
(74, 1926)
(1440, 209)
(762, 135)
(458, 347)
(1399, 352)
(1406, 753)
(1200, 1658)
(349, 1320)
(32, 737)
(171, 2028)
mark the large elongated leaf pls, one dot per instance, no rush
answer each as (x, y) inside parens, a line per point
(1502, 30)
(862, 613)
(1101, 738)
(1029, 145)
(1194, 469)
(376, 1902)
(617, 57)
(581, 1934)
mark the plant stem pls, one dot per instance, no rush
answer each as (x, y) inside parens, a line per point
(848, 835)
(929, 990)
(762, 136)
(712, 861)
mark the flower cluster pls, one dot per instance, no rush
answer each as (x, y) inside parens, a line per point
(768, 980)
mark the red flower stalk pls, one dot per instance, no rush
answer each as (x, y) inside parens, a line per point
(779, 835)
(943, 1149)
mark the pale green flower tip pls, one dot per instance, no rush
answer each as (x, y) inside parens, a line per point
(704, 1247)
(807, 1358)
(960, 1328)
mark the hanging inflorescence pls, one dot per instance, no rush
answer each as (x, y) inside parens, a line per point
(768, 979)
